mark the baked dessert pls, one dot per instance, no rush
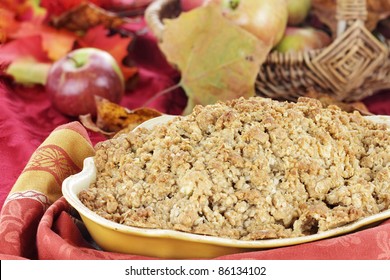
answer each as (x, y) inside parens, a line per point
(246, 169)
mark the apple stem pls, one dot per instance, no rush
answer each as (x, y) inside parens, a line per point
(233, 4)
(161, 93)
(77, 64)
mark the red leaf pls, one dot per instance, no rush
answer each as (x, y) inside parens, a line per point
(57, 43)
(23, 47)
(56, 8)
(24, 9)
(17, 52)
(116, 45)
(19, 7)
(8, 24)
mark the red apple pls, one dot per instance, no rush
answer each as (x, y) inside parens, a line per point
(74, 80)
(298, 10)
(265, 19)
(187, 5)
(298, 39)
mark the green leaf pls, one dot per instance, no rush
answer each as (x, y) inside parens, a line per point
(28, 71)
(217, 59)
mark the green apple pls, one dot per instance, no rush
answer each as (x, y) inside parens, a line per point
(298, 11)
(298, 39)
(265, 19)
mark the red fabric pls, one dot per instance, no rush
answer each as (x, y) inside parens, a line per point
(53, 234)
(27, 117)
(28, 229)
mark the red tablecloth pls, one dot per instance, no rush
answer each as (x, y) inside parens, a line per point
(33, 226)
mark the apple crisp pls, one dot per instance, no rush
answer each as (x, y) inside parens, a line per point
(246, 169)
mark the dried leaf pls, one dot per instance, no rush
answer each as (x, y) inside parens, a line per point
(122, 7)
(378, 10)
(59, 7)
(87, 15)
(218, 60)
(379, 6)
(113, 118)
(328, 100)
(361, 107)
(87, 122)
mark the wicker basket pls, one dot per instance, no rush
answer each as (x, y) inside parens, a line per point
(355, 65)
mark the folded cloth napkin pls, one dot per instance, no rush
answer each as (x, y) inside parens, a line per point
(36, 222)
(39, 186)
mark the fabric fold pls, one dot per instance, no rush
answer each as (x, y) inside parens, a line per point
(39, 185)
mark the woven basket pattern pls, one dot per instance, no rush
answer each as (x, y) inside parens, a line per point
(354, 66)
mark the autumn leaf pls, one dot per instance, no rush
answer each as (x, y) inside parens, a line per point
(113, 118)
(25, 9)
(57, 43)
(27, 37)
(26, 20)
(28, 71)
(217, 59)
(23, 47)
(8, 24)
(86, 16)
(59, 7)
(12, 13)
(117, 46)
(328, 100)
(25, 60)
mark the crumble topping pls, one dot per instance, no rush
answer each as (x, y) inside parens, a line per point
(246, 169)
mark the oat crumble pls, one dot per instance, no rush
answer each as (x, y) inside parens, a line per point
(246, 169)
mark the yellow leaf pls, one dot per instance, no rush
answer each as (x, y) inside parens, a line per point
(28, 71)
(113, 118)
(218, 60)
